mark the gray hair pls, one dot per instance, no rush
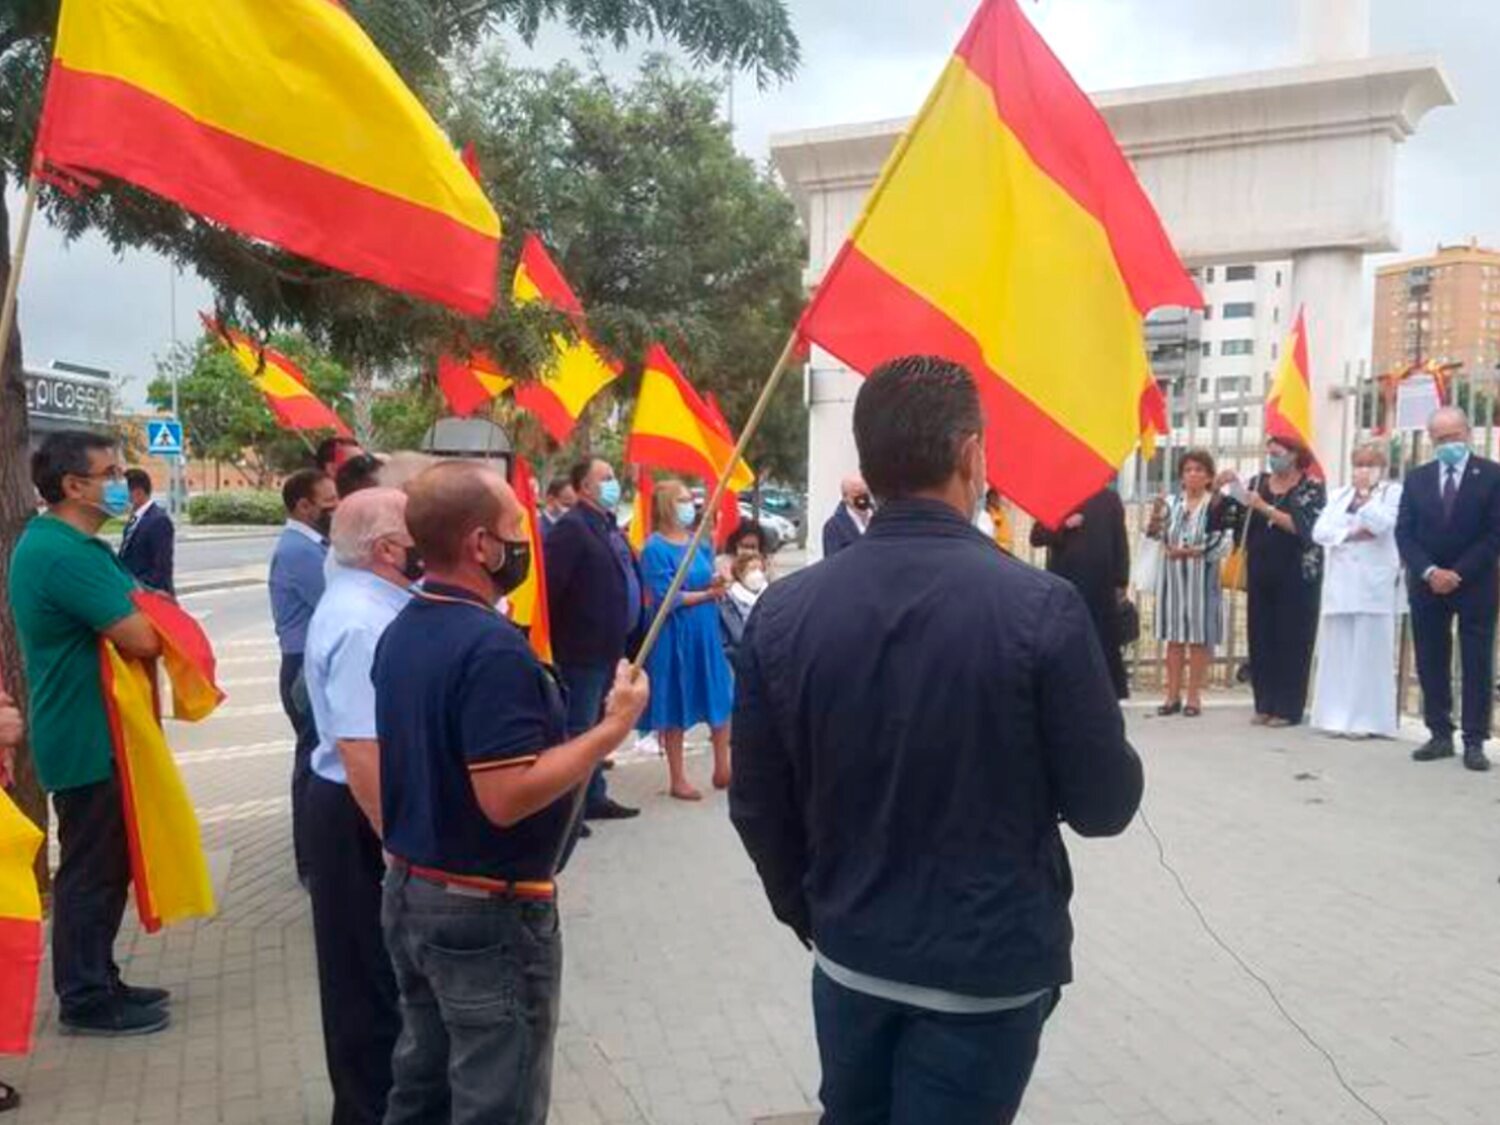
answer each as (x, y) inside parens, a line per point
(1375, 449)
(363, 520)
(1450, 412)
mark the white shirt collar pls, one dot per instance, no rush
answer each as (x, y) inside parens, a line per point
(1458, 470)
(861, 519)
(141, 511)
(311, 532)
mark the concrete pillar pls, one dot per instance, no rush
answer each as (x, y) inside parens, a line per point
(1332, 30)
(1329, 285)
(831, 455)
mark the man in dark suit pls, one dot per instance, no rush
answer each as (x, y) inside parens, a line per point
(150, 536)
(1449, 535)
(845, 527)
(904, 758)
(594, 601)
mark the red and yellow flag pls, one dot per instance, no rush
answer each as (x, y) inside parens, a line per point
(729, 506)
(675, 429)
(167, 864)
(20, 927)
(1008, 233)
(282, 121)
(578, 370)
(280, 380)
(641, 510)
(528, 601)
(1289, 405)
(471, 385)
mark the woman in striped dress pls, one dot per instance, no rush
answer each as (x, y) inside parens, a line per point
(1195, 540)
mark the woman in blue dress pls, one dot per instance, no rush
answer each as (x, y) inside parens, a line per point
(690, 679)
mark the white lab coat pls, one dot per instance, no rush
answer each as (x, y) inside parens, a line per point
(1362, 576)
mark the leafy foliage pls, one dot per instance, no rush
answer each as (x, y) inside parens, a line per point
(262, 508)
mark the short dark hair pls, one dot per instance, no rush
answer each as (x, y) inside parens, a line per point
(748, 529)
(580, 473)
(556, 485)
(328, 449)
(138, 480)
(446, 503)
(1200, 457)
(300, 486)
(65, 454)
(910, 419)
(357, 474)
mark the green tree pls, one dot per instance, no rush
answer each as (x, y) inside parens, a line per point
(225, 418)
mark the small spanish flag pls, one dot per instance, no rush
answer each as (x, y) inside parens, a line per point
(1008, 233)
(1289, 405)
(676, 429)
(472, 384)
(640, 510)
(528, 601)
(20, 927)
(729, 506)
(280, 380)
(167, 864)
(281, 121)
(579, 370)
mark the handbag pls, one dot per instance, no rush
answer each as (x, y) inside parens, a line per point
(1145, 566)
(1234, 574)
(1127, 623)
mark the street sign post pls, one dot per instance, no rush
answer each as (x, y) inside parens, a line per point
(164, 437)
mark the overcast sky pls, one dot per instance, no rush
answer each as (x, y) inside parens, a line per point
(872, 59)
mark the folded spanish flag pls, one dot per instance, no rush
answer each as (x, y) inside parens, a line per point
(20, 927)
(167, 863)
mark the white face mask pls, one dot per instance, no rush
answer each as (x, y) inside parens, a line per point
(754, 581)
(1366, 477)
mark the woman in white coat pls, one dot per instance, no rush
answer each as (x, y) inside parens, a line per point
(1355, 694)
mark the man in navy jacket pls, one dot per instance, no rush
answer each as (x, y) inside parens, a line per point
(845, 527)
(150, 536)
(913, 720)
(1449, 535)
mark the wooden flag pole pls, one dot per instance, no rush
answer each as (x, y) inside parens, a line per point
(17, 261)
(712, 505)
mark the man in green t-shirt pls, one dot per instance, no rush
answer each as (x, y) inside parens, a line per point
(67, 590)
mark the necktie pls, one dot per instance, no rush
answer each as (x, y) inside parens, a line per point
(1450, 492)
(129, 529)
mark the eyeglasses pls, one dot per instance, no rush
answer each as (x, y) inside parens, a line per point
(114, 472)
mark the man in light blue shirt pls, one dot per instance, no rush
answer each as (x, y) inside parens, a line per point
(296, 583)
(361, 1021)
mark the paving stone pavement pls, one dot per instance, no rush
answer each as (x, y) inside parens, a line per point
(1363, 888)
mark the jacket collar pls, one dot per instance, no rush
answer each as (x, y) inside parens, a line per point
(899, 518)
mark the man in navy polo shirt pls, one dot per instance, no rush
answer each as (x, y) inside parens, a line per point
(476, 772)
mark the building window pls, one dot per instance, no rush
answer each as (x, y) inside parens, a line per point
(1278, 279)
(1208, 275)
(1208, 312)
(1231, 418)
(1275, 314)
(1239, 310)
(1239, 273)
(1237, 347)
(1275, 352)
(1208, 348)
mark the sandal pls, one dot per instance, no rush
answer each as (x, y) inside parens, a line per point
(1173, 708)
(1192, 711)
(10, 1097)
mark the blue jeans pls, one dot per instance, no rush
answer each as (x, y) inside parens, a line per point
(890, 1064)
(480, 980)
(587, 686)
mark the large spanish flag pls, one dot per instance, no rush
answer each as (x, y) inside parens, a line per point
(280, 120)
(472, 384)
(1008, 233)
(528, 601)
(1289, 405)
(280, 380)
(675, 429)
(20, 927)
(167, 864)
(578, 370)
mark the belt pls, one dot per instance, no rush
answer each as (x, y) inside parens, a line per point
(478, 886)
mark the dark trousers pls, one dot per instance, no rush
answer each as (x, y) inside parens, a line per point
(1282, 623)
(299, 714)
(891, 1064)
(480, 981)
(1105, 614)
(587, 685)
(355, 983)
(1432, 630)
(88, 895)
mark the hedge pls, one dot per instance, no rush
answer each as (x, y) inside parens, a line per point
(262, 509)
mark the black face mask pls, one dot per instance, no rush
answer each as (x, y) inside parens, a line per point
(412, 570)
(862, 504)
(514, 568)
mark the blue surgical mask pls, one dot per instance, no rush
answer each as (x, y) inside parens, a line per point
(1452, 453)
(1280, 462)
(609, 494)
(116, 498)
(687, 513)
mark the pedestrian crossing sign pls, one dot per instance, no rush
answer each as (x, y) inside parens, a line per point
(164, 437)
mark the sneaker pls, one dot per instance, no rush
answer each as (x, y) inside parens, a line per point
(142, 997)
(1475, 759)
(115, 1021)
(1435, 750)
(610, 809)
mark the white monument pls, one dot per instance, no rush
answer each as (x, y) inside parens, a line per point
(1293, 163)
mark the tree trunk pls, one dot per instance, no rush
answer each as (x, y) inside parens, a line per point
(363, 388)
(16, 507)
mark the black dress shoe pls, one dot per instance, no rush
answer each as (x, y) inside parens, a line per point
(610, 809)
(142, 997)
(1435, 750)
(115, 1020)
(1474, 759)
